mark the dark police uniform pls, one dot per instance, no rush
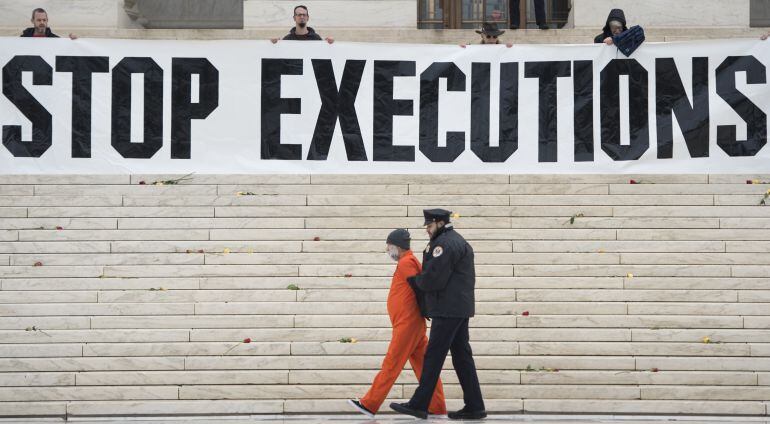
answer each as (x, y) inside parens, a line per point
(447, 282)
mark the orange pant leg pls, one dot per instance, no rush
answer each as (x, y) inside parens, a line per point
(403, 342)
(437, 402)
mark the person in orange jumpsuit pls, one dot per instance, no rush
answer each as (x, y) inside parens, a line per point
(408, 341)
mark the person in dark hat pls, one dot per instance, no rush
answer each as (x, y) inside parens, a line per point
(448, 279)
(490, 34)
(408, 341)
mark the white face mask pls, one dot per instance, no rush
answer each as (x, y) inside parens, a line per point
(393, 253)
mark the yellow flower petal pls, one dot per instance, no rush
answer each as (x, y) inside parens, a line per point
(629, 275)
(706, 340)
(600, 250)
(353, 340)
(755, 181)
(226, 250)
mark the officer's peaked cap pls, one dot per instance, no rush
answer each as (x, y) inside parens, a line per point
(433, 215)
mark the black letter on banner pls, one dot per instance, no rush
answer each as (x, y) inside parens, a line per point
(583, 90)
(42, 74)
(121, 107)
(183, 110)
(610, 109)
(756, 120)
(337, 103)
(693, 118)
(273, 106)
(480, 105)
(385, 108)
(455, 140)
(547, 72)
(82, 68)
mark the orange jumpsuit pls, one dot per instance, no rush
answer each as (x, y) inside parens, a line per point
(408, 341)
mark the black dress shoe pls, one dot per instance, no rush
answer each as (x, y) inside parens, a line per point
(514, 27)
(544, 26)
(465, 414)
(405, 408)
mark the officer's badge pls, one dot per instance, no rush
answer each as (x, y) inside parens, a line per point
(437, 251)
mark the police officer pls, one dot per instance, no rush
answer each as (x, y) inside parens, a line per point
(447, 281)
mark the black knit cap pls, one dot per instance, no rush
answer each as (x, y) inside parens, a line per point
(400, 238)
(433, 215)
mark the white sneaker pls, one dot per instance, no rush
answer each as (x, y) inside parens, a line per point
(360, 408)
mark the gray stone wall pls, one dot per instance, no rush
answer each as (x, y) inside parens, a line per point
(181, 14)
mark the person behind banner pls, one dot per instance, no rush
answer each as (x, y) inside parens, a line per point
(615, 25)
(301, 31)
(408, 340)
(490, 35)
(448, 279)
(40, 28)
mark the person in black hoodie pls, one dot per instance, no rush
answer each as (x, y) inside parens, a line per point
(40, 27)
(301, 31)
(616, 24)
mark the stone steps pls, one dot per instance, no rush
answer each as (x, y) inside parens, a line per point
(620, 284)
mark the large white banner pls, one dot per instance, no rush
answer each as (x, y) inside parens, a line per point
(233, 106)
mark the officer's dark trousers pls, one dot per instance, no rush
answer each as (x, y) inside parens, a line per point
(539, 12)
(448, 334)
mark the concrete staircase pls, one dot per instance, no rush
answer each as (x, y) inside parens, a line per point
(122, 298)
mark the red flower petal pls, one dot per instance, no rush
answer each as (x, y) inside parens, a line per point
(38, 263)
(142, 182)
(247, 340)
(316, 238)
(348, 275)
(749, 182)
(525, 313)
(654, 370)
(632, 181)
(200, 250)
(59, 228)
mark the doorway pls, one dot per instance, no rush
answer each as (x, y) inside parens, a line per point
(459, 14)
